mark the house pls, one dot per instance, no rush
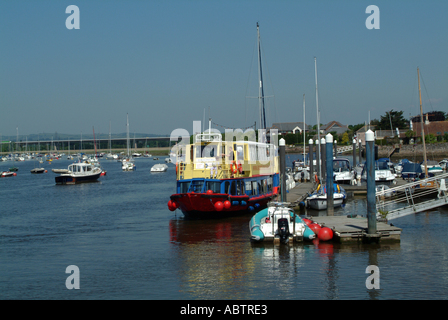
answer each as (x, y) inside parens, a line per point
(288, 127)
(437, 128)
(333, 126)
(380, 134)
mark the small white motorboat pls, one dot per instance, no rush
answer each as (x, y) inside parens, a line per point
(59, 171)
(342, 172)
(160, 167)
(79, 173)
(318, 199)
(128, 164)
(6, 174)
(278, 222)
(38, 170)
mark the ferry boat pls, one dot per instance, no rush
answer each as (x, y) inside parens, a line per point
(217, 178)
(79, 173)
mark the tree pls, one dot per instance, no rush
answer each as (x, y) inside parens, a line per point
(394, 117)
(409, 134)
(430, 138)
(345, 139)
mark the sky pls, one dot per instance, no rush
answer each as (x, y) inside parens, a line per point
(167, 63)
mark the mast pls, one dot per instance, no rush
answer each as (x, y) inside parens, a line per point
(127, 133)
(94, 141)
(260, 87)
(421, 123)
(318, 122)
(303, 132)
(110, 145)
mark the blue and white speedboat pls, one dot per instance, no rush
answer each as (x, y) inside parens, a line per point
(279, 223)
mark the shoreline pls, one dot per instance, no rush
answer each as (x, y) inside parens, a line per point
(437, 152)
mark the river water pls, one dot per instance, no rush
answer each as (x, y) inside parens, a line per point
(128, 245)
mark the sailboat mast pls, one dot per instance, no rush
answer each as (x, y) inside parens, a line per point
(110, 146)
(421, 123)
(303, 132)
(260, 87)
(318, 122)
(127, 133)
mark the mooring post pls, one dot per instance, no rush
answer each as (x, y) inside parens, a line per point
(323, 157)
(371, 201)
(354, 154)
(335, 148)
(318, 166)
(329, 167)
(310, 142)
(281, 144)
(360, 151)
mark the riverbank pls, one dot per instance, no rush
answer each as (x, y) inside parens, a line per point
(437, 151)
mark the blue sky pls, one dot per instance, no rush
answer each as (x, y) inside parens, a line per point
(164, 62)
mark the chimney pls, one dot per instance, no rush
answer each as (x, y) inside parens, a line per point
(427, 119)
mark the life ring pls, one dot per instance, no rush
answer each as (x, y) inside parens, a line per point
(234, 167)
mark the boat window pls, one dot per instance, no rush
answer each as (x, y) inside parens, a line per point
(270, 184)
(265, 186)
(248, 188)
(184, 187)
(233, 188)
(214, 186)
(239, 153)
(89, 168)
(196, 186)
(227, 187)
(242, 187)
(260, 188)
(239, 187)
(254, 188)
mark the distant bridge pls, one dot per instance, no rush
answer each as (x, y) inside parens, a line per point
(416, 196)
(88, 144)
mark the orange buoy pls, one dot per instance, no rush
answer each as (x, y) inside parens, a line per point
(227, 204)
(325, 234)
(209, 191)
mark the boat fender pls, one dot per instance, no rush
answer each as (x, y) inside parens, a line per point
(219, 206)
(235, 203)
(243, 203)
(316, 179)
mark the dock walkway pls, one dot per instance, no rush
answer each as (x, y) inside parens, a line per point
(349, 229)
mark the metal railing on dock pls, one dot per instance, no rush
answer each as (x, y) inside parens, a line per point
(416, 196)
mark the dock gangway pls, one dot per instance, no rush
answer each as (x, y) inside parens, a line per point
(413, 197)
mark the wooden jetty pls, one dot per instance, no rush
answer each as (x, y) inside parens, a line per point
(345, 228)
(354, 229)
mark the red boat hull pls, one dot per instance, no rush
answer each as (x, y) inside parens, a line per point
(205, 205)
